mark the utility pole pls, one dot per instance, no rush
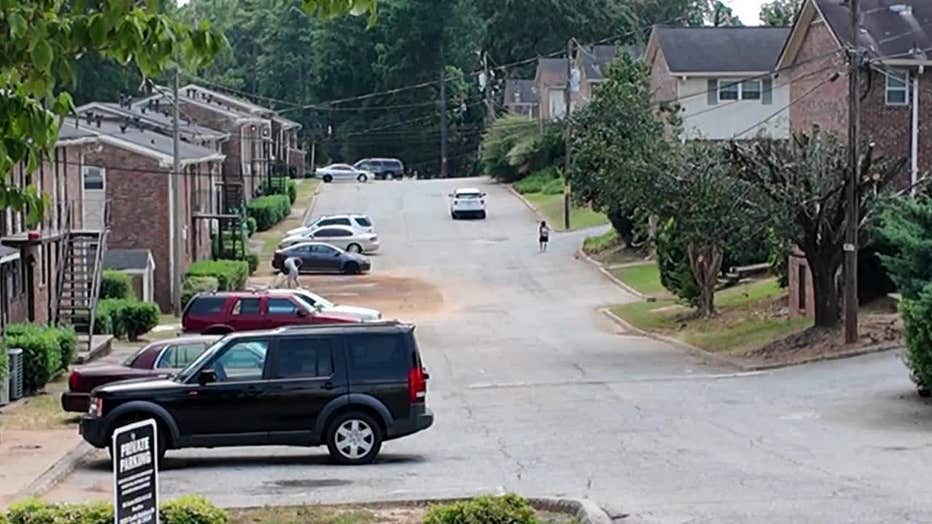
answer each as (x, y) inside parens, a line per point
(489, 105)
(175, 185)
(313, 156)
(854, 157)
(443, 115)
(568, 132)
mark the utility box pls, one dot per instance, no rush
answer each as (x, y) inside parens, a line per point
(16, 373)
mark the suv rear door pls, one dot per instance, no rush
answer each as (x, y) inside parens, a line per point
(246, 314)
(308, 371)
(202, 312)
(378, 365)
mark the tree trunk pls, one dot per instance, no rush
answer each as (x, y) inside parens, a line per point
(705, 263)
(824, 285)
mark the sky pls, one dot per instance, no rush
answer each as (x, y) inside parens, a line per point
(747, 10)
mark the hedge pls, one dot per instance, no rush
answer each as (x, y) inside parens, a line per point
(42, 352)
(195, 285)
(183, 510)
(130, 318)
(115, 284)
(251, 226)
(269, 210)
(230, 274)
(917, 330)
(4, 368)
(507, 509)
(281, 186)
(67, 343)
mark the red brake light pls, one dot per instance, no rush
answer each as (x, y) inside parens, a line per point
(74, 380)
(417, 385)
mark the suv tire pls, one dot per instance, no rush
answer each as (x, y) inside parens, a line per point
(328, 179)
(354, 438)
(351, 268)
(362, 179)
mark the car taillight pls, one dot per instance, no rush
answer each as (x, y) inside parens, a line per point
(417, 385)
(74, 381)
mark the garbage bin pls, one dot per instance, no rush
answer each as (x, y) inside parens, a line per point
(16, 373)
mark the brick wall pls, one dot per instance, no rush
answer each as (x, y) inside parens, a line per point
(827, 105)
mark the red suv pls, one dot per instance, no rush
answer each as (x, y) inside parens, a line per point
(222, 313)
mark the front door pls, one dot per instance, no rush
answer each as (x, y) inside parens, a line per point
(94, 195)
(246, 314)
(233, 409)
(327, 258)
(285, 311)
(306, 374)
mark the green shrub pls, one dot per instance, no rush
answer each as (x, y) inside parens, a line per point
(42, 353)
(536, 182)
(103, 320)
(115, 284)
(31, 511)
(597, 244)
(4, 371)
(34, 511)
(192, 509)
(553, 187)
(230, 274)
(251, 226)
(252, 259)
(673, 262)
(281, 186)
(269, 210)
(67, 342)
(195, 285)
(917, 329)
(508, 509)
(130, 318)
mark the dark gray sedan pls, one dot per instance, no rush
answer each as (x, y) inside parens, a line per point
(320, 257)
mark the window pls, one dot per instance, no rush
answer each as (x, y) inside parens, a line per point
(730, 91)
(324, 250)
(241, 362)
(282, 306)
(897, 88)
(363, 221)
(177, 357)
(206, 306)
(379, 357)
(93, 177)
(334, 222)
(557, 103)
(739, 90)
(332, 233)
(750, 90)
(304, 358)
(246, 306)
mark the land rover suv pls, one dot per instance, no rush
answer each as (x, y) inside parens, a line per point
(350, 387)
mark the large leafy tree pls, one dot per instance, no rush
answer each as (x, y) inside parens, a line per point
(41, 40)
(779, 13)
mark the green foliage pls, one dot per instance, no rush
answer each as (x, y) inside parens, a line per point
(130, 318)
(269, 210)
(507, 509)
(779, 258)
(230, 274)
(4, 367)
(917, 329)
(779, 13)
(115, 284)
(103, 321)
(536, 182)
(280, 185)
(251, 226)
(67, 343)
(192, 509)
(252, 258)
(673, 262)
(595, 245)
(42, 353)
(195, 285)
(514, 147)
(907, 227)
(31, 511)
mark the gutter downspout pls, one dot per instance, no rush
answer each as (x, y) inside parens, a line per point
(914, 153)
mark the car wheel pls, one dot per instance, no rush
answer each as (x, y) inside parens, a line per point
(362, 178)
(453, 215)
(354, 248)
(328, 179)
(351, 268)
(354, 439)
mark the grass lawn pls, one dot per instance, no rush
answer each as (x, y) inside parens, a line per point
(607, 249)
(41, 412)
(267, 241)
(748, 319)
(551, 206)
(645, 278)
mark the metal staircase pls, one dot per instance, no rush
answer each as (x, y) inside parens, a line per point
(81, 256)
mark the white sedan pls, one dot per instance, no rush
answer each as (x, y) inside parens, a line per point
(342, 172)
(343, 237)
(467, 202)
(325, 306)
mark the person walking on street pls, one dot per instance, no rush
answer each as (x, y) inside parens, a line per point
(544, 235)
(291, 265)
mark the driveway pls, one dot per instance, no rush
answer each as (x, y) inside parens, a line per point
(535, 392)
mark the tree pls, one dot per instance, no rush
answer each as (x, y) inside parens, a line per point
(718, 14)
(779, 13)
(41, 40)
(619, 147)
(801, 185)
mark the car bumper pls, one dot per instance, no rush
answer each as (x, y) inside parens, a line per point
(372, 247)
(469, 212)
(75, 402)
(421, 418)
(94, 431)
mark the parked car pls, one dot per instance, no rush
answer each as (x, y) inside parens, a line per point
(227, 312)
(467, 202)
(342, 172)
(360, 223)
(343, 237)
(382, 168)
(325, 306)
(349, 387)
(322, 257)
(157, 359)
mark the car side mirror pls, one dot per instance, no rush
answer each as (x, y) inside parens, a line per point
(206, 376)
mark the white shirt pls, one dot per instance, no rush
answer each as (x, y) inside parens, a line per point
(292, 264)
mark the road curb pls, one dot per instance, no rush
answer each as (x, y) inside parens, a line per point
(310, 205)
(55, 474)
(608, 274)
(745, 366)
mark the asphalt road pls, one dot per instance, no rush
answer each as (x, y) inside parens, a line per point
(535, 392)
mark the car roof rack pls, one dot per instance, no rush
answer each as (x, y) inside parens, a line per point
(356, 325)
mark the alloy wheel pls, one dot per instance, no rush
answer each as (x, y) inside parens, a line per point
(354, 439)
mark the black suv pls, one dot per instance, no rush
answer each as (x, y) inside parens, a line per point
(382, 168)
(350, 387)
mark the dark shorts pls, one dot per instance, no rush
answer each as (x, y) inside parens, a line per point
(544, 238)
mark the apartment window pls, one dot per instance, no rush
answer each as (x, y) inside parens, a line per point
(897, 88)
(750, 90)
(740, 90)
(729, 91)
(93, 177)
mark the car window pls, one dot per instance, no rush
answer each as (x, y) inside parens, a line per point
(180, 355)
(342, 168)
(363, 221)
(282, 306)
(207, 305)
(304, 358)
(307, 300)
(246, 306)
(334, 222)
(468, 195)
(242, 361)
(342, 233)
(326, 251)
(138, 353)
(379, 357)
(331, 233)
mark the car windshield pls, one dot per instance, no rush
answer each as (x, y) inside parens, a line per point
(314, 300)
(468, 195)
(186, 373)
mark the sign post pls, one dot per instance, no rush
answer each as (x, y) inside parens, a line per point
(135, 474)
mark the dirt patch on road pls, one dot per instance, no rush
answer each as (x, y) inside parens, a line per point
(402, 297)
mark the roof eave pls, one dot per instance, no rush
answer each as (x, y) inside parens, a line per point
(720, 73)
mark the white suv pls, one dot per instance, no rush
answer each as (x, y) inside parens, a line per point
(360, 223)
(467, 202)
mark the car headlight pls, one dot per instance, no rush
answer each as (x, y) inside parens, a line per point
(96, 407)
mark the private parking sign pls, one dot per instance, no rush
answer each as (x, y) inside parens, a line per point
(135, 474)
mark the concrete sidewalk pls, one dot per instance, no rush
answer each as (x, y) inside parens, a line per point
(33, 460)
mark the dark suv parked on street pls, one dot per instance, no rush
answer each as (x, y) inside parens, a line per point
(348, 387)
(382, 168)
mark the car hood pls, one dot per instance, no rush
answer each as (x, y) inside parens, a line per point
(136, 386)
(364, 314)
(297, 231)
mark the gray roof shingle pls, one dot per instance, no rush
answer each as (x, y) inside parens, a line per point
(721, 49)
(886, 31)
(521, 92)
